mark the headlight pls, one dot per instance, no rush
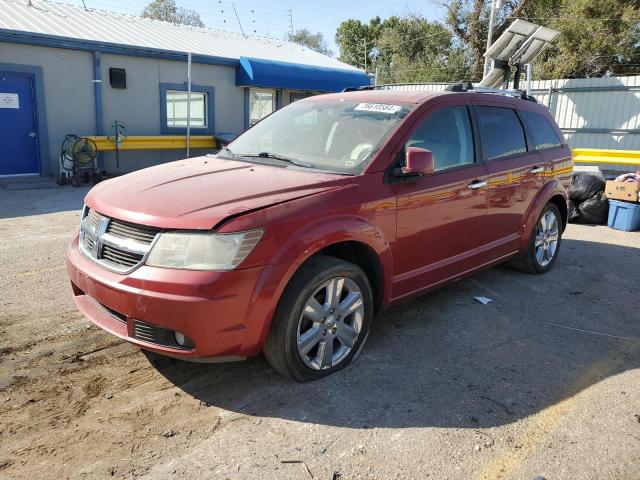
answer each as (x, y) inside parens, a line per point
(202, 251)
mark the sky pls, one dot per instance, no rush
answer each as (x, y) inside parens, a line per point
(273, 19)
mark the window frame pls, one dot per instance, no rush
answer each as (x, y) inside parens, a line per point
(209, 109)
(260, 89)
(527, 139)
(477, 157)
(560, 139)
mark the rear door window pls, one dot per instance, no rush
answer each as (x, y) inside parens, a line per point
(541, 131)
(501, 132)
(447, 134)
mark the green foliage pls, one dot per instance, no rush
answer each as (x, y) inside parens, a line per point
(469, 21)
(407, 49)
(597, 37)
(314, 41)
(168, 11)
(354, 38)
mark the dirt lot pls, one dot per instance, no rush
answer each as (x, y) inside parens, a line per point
(544, 381)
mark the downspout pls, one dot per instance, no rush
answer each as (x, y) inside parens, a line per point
(246, 107)
(97, 93)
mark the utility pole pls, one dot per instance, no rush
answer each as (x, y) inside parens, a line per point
(495, 5)
(290, 21)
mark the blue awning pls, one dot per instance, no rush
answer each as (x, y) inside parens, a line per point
(254, 72)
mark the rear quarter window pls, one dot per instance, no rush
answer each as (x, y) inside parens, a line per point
(542, 132)
(501, 132)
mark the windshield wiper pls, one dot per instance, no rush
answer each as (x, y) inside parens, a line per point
(228, 150)
(282, 158)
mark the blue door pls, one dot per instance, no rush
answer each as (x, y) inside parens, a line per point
(18, 134)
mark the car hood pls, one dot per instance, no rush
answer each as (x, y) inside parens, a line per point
(200, 193)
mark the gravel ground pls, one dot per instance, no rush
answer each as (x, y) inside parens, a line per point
(543, 381)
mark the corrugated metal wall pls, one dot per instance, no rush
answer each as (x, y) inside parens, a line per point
(594, 112)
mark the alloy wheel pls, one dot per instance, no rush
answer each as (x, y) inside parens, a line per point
(330, 323)
(547, 236)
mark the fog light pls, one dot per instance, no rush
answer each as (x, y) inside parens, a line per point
(180, 338)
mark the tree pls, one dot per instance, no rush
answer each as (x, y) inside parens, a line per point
(469, 21)
(168, 11)
(402, 49)
(357, 39)
(412, 49)
(597, 37)
(314, 41)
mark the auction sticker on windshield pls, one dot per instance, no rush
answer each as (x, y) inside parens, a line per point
(378, 107)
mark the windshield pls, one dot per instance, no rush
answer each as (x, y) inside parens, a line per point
(335, 135)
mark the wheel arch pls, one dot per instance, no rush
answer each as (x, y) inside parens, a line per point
(561, 202)
(551, 192)
(351, 239)
(365, 257)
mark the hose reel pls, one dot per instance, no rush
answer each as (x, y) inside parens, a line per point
(78, 157)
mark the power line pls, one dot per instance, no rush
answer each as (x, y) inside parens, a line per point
(262, 21)
(584, 17)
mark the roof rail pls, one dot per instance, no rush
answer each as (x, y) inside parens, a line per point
(358, 89)
(452, 87)
(468, 86)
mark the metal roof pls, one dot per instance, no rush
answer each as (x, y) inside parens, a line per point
(24, 19)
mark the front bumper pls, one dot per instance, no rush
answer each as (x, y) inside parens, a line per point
(224, 314)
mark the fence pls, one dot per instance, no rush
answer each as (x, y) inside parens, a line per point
(594, 112)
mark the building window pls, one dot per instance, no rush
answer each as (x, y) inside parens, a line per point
(261, 103)
(295, 96)
(177, 103)
(173, 109)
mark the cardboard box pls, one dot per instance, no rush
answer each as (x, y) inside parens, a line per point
(627, 191)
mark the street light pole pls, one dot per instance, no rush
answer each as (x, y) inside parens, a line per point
(495, 4)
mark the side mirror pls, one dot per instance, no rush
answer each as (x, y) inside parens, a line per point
(418, 162)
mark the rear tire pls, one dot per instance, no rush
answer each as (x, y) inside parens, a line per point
(322, 320)
(544, 245)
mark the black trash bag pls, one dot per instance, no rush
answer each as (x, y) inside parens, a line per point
(595, 210)
(574, 212)
(585, 186)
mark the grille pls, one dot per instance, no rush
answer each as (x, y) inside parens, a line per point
(148, 332)
(120, 257)
(118, 245)
(139, 233)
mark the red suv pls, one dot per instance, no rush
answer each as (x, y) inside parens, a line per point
(293, 238)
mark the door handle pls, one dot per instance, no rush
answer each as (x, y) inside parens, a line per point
(537, 169)
(32, 134)
(477, 184)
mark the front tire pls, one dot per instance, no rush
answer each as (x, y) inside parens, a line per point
(544, 245)
(322, 320)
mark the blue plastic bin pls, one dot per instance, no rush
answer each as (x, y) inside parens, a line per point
(624, 215)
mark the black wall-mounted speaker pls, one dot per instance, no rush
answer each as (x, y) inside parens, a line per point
(118, 77)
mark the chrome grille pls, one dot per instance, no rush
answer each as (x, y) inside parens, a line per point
(139, 233)
(121, 257)
(118, 245)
